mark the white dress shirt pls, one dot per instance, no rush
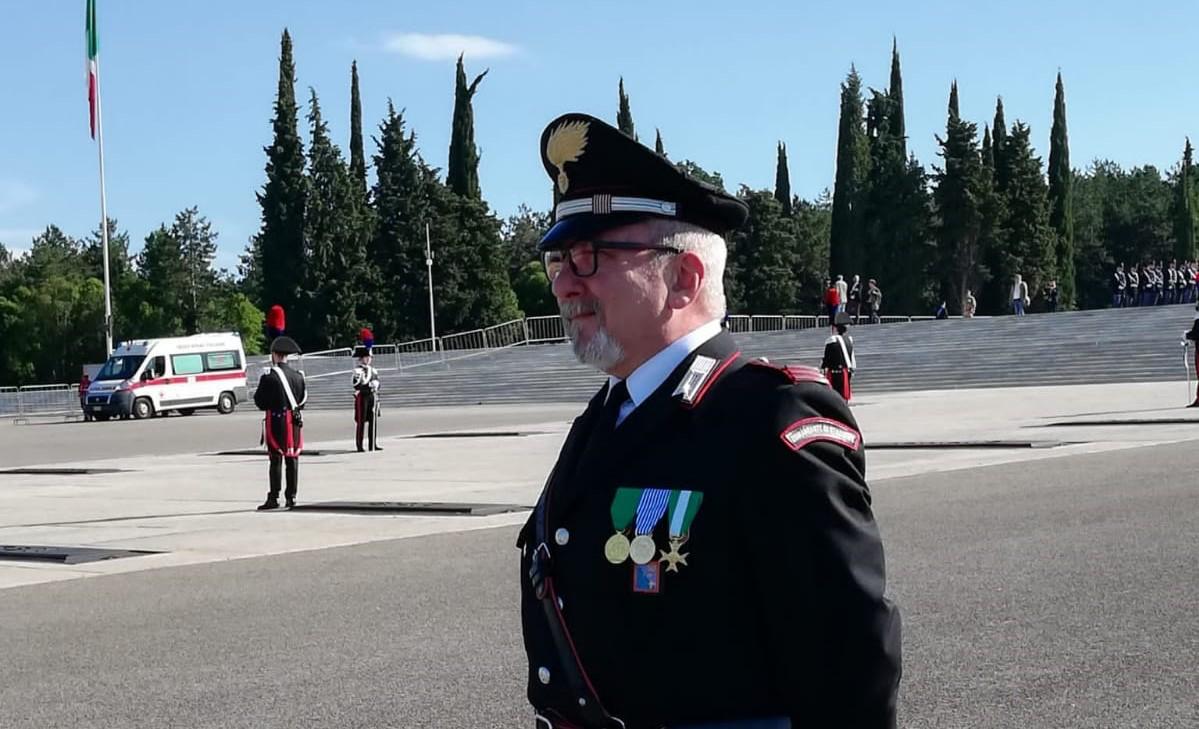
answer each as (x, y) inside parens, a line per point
(654, 371)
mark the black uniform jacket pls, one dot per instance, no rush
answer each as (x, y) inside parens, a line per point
(270, 397)
(834, 357)
(778, 609)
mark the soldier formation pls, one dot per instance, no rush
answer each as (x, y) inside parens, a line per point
(1152, 284)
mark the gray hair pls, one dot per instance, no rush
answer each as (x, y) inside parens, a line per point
(708, 246)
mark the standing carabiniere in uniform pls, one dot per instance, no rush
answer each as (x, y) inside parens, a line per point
(365, 381)
(704, 551)
(281, 393)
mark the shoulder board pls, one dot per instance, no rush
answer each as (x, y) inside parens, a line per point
(793, 373)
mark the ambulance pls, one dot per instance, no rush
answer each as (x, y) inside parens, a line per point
(148, 377)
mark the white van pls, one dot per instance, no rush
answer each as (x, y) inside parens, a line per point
(154, 376)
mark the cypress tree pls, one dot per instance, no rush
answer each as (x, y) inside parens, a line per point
(336, 273)
(624, 116)
(357, 154)
(658, 143)
(1061, 210)
(782, 180)
(895, 93)
(849, 187)
(279, 246)
(998, 142)
(1184, 209)
(462, 172)
(953, 102)
(988, 154)
(958, 192)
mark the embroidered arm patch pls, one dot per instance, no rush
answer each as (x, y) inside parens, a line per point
(802, 432)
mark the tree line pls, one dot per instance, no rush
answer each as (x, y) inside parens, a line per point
(342, 241)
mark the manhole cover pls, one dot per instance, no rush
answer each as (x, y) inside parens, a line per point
(412, 507)
(261, 452)
(497, 434)
(58, 471)
(64, 555)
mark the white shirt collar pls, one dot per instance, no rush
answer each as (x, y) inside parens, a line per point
(654, 371)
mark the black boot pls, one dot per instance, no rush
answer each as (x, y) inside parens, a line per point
(291, 503)
(270, 503)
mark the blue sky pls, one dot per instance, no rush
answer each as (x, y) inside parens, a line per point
(188, 88)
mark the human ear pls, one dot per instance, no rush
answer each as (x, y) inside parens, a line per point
(688, 279)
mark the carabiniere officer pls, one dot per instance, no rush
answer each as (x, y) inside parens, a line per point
(704, 552)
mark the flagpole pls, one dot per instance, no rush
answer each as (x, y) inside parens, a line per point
(432, 311)
(103, 218)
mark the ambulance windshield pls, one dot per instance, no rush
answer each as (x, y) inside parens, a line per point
(120, 368)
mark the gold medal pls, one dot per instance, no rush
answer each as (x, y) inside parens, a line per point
(674, 558)
(616, 549)
(643, 549)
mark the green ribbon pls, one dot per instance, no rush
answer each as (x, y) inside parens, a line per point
(624, 507)
(682, 508)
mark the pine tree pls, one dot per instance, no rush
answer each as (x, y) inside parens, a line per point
(1184, 208)
(895, 94)
(624, 116)
(849, 190)
(470, 274)
(462, 172)
(958, 192)
(766, 247)
(196, 241)
(1061, 212)
(279, 251)
(1026, 225)
(357, 154)
(658, 143)
(397, 305)
(782, 180)
(336, 274)
(164, 279)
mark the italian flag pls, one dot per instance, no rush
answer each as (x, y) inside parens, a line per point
(93, 71)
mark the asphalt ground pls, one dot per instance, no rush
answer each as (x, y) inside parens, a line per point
(1057, 593)
(54, 440)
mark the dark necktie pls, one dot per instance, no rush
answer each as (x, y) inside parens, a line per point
(611, 411)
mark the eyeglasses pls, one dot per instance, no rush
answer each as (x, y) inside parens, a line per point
(583, 258)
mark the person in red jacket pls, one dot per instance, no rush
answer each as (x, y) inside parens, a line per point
(832, 300)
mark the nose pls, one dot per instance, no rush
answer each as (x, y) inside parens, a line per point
(566, 285)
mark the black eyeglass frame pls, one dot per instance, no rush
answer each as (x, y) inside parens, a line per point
(596, 247)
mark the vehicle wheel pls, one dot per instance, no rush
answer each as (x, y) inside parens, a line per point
(187, 411)
(225, 403)
(100, 418)
(142, 409)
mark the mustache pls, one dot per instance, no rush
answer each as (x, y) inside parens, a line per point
(570, 309)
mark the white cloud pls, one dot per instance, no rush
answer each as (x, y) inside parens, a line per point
(447, 46)
(15, 194)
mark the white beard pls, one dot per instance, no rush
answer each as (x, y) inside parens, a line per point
(601, 351)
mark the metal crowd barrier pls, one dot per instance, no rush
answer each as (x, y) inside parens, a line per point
(40, 401)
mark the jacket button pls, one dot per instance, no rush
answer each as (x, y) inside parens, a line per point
(562, 536)
(543, 674)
